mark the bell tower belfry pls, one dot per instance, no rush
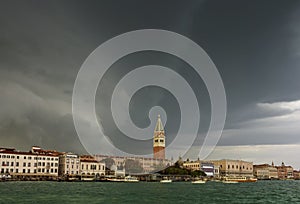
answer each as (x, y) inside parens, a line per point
(159, 140)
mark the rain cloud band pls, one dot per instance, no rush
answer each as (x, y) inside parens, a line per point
(89, 128)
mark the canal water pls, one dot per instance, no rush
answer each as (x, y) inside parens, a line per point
(142, 192)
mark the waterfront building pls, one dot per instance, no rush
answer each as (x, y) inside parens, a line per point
(265, 171)
(147, 164)
(91, 167)
(284, 172)
(159, 140)
(118, 171)
(228, 167)
(273, 171)
(192, 165)
(69, 164)
(261, 171)
(207, 167)
(37, 163)
(216, 171)
(296, 175)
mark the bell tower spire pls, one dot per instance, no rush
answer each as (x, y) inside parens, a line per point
(159, 140)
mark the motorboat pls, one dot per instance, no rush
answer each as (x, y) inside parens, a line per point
(239, 179)
(115, 179)
(131, 179)
(166, 180)
(199, 182)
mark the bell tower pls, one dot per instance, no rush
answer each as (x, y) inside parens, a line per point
(159, 140)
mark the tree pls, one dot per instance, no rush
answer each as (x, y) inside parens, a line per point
(176, 170)
(198, 173)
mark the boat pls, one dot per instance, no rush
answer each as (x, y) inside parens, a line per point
(5, 177)
(131, 179)
(239, 179)
(87, 178)
(115, 179)
(166, 180)
(198, 182)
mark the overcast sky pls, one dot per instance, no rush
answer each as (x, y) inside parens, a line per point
(254, 44)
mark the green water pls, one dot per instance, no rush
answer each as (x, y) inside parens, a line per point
(182, 192)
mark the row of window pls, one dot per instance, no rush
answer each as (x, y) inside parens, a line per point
(93, 174)
(8, 156)
(29, 164)
(6, 171)
(193, 165)
(29, 158)
(158, 140)
(72, 166)
(72, 161)
(72, 172)
(237, 167)
(92, 167)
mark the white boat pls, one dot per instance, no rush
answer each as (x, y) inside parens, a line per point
(115, 179)
(239, 179)
(198, 181)
(166, 180)
(131, 179)
(87, 178)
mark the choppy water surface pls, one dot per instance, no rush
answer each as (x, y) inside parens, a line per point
(181, 192)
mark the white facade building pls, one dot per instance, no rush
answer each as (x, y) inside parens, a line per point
(35, 163)
(69, 164)
(91, 167)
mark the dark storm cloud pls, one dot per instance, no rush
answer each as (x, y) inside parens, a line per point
(43, 44)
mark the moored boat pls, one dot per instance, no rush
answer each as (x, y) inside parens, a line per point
(239, 179)
(87, 178)
(198, 182)
(115, 179)
(166, 180)
(131, 179)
